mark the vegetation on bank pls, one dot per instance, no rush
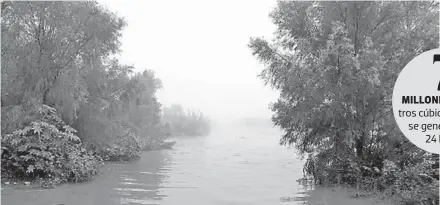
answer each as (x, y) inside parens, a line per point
(47, 148)
(191, 123)
(66, 104)
(335, 64)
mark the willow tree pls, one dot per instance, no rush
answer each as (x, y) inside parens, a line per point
(335, 64)
(48, 48)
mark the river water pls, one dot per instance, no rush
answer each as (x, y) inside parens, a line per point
(234, 165)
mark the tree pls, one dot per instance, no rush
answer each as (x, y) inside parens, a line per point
(52, 67)
(48, 48)
(335, 64)
(191, 123)
(58, 54)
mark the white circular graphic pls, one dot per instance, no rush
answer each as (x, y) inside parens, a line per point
(416, 101)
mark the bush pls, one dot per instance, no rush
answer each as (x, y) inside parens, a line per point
(47, 148)
(411, 184)
(127, 147)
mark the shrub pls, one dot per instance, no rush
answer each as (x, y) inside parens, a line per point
(413, 184)
(127, 147)
(47, 148)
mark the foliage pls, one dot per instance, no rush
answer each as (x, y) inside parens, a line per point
(57, 55)
(411, 184)
(48, 46)
(126, 147)
(119, 107)
(190, 124)
(335, 64)
(47, 147)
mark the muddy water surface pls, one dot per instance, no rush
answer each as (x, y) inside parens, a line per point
(234, 165)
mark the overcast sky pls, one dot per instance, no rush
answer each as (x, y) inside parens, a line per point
(199, 51)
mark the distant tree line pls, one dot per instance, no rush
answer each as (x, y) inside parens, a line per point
(335, 64)
(190, 123)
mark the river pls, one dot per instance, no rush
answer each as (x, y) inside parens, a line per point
(234, 165)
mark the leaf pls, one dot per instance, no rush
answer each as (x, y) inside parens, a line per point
(69, 129)
(22, 132)
(30, 169)
(73, 137)
(15, 141)
(37, 130)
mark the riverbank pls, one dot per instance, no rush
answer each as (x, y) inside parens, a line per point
(339, 196)
(342, 194)
(152, 178)
(50, 183)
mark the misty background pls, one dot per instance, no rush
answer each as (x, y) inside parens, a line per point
(199, 51)
(84, 128)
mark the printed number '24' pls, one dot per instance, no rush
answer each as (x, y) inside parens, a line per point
(431, 138)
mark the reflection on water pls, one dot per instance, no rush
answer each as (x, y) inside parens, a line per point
(138, 182)
(232, 166)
